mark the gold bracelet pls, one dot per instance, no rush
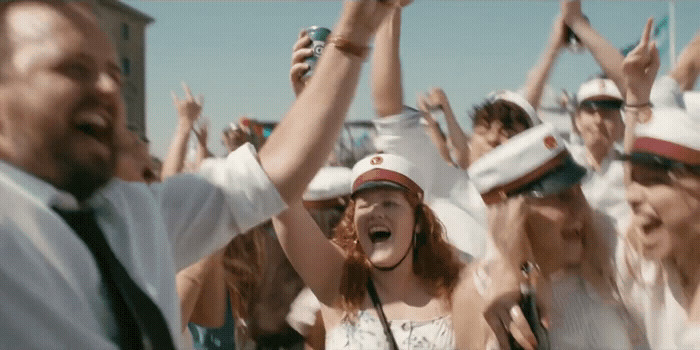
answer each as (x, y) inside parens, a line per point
(345, 45)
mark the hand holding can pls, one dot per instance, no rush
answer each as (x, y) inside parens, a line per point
(318, 36)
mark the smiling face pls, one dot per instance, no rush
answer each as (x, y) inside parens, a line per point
(556, 229)
(385, 221)
(60, 100)
(599, 122)
(666, 207)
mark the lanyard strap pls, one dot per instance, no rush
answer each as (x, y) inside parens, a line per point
(380, 311)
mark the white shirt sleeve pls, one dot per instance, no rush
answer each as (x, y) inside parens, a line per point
(666, 93)
(204, 211)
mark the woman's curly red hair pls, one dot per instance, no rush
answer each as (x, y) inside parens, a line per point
(435, 261)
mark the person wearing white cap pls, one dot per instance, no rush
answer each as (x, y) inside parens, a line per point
(386, 279)
(597, 122)
(539, 215)
(659, 262)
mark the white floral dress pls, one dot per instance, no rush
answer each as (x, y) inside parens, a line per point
(366, 333)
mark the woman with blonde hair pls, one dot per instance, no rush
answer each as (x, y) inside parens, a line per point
(539, 217)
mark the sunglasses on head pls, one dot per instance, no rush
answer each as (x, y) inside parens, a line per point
(601, 104)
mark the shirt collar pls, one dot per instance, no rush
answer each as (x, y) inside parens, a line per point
(41, 190)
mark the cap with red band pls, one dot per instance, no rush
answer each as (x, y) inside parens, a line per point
(534, 162)
(671, 133)
(387, 170)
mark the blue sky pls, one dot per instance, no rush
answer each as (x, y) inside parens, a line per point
(237, 53)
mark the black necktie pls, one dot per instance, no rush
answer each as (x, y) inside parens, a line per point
(141, 324)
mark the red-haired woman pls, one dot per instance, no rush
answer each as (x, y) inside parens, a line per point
(386, 279)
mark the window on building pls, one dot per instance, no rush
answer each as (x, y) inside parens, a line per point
(125, 31)
(126, 66)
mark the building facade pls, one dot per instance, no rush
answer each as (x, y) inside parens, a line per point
(126, 27)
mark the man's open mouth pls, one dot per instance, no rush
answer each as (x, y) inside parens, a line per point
(95, 125)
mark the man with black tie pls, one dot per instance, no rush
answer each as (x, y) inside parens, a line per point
(88, 261)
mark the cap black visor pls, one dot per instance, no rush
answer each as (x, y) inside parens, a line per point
(554, 182)
(379, 184)
(601, 104)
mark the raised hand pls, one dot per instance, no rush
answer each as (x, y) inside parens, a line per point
(300, 52)
(189, 108)
(202, 132)
(559, 36)
(570, 11)
(361, 18)
(640, 68)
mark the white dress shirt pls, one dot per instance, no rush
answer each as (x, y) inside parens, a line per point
(605, 190)
(52, 293)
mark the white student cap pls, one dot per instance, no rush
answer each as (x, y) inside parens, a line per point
(328, 188)
(518, 100)
(598, 87)
(387, 170)
(534, 163)
(672, 135)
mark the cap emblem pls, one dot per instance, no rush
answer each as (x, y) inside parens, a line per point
(550, 142)
(376, 160)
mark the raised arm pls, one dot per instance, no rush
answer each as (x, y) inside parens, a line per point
(202, 138)
(687, 68)
(640, 68)
(188, 110)
(318, 113)
(437, 99)
(608, 56)
(539, 74)
(387, 89)
(318, 261)
(434, 132)
(486, 302)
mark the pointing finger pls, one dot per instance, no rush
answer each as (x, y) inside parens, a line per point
(188, 92)
(646, 34)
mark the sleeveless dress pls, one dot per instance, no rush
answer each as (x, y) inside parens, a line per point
(366, 333)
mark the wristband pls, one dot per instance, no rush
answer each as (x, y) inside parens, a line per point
(346, 46)
(640, 105)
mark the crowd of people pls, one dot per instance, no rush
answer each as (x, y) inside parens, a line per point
(511, 235)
